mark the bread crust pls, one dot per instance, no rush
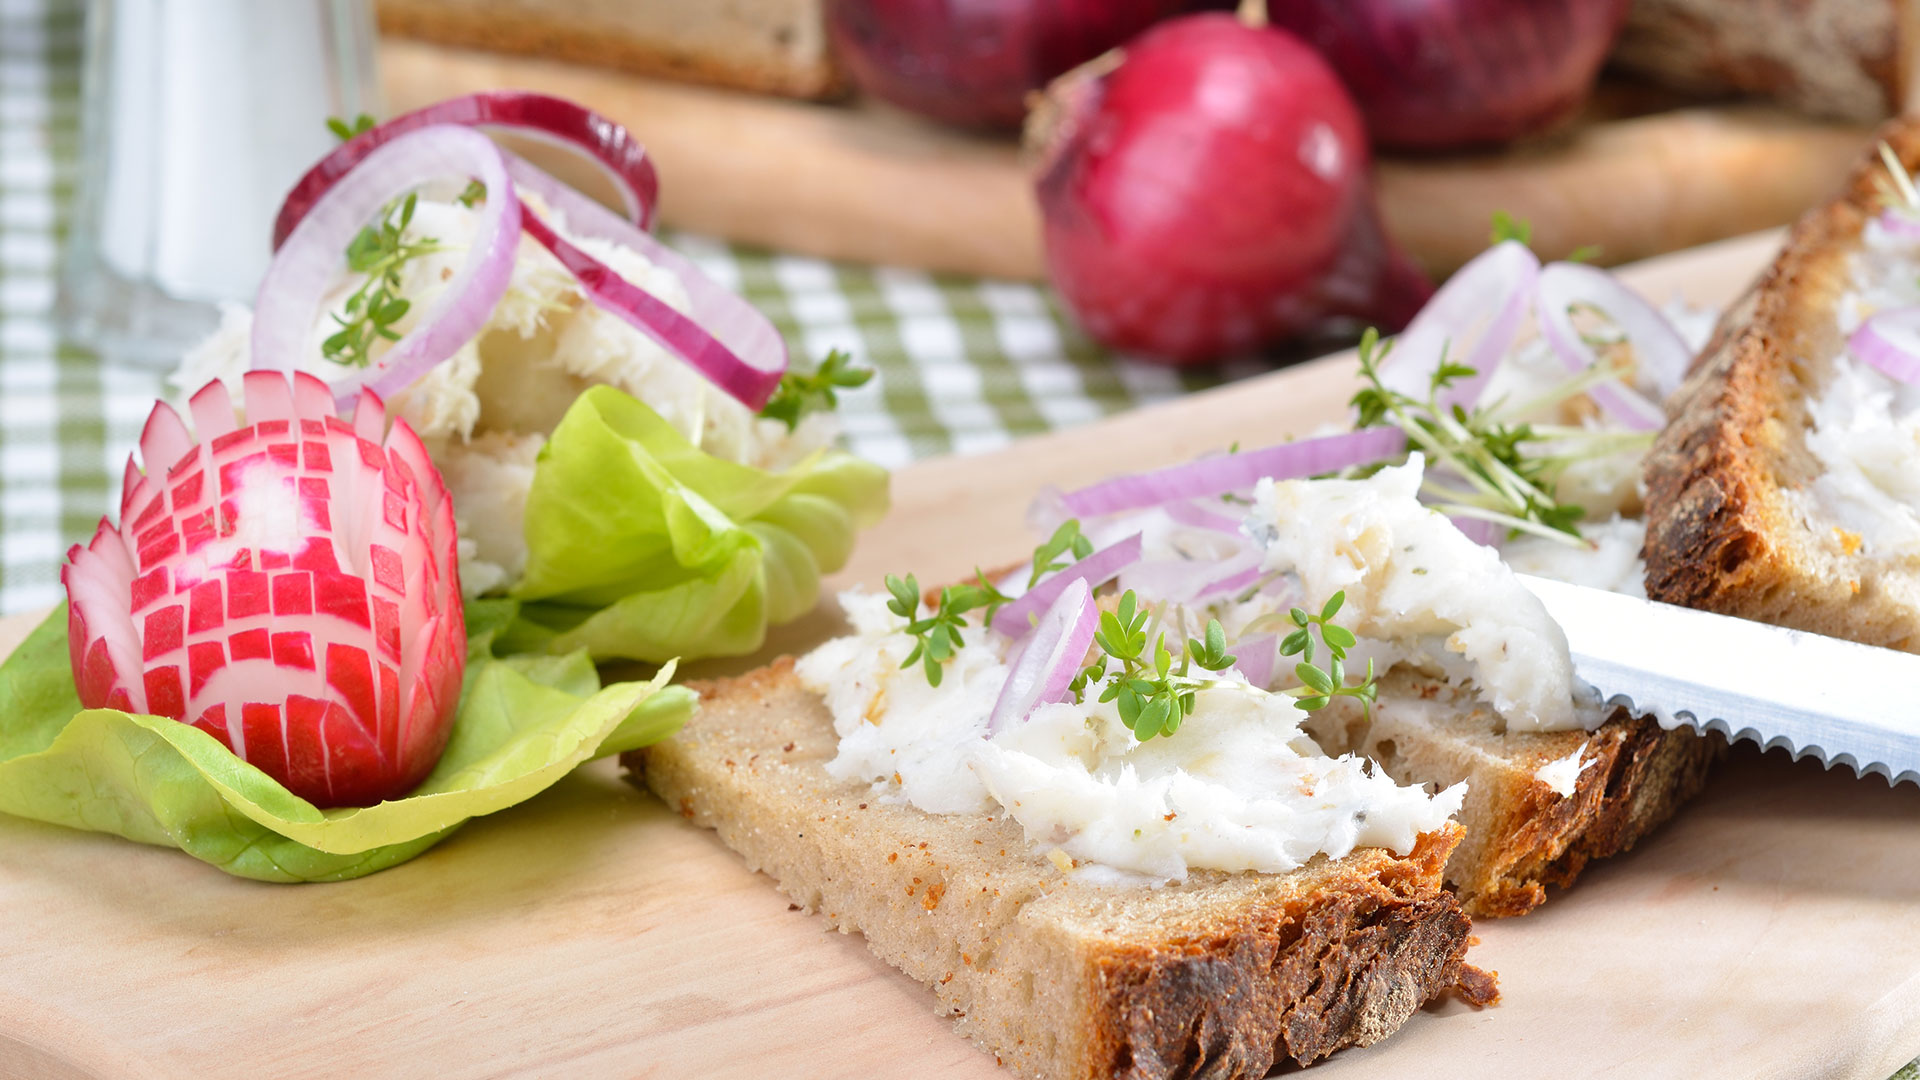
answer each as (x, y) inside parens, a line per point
(1639, 776)
(1523, 837)
(1225, 975)
(1722, 531)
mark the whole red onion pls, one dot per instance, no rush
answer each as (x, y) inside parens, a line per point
(1447, 74)
(973, 62)
(1210, 195)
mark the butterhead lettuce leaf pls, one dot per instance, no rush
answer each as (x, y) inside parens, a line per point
(523, 723)
(642, 546)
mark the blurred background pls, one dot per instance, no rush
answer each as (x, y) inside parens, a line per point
(857, 169)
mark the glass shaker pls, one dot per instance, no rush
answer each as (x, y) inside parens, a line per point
(197, 117)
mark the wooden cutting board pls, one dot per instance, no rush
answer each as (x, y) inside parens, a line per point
(1769, 932)
(1638, 176)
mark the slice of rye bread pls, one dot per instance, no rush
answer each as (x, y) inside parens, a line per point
(1728, 527)
(1521, 835)
(1222, 976)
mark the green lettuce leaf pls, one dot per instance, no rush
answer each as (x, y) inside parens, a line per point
(642, 546)
(524, 722)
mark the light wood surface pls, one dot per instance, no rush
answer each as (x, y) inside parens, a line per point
(1768, 933)
(874, 185)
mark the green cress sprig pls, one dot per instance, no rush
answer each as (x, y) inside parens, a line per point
(1511, 478)
(1319, 686)
(1151, 692)
(937, 636)
(373, 309)
(800, 393)
(1067, 539)
(345, 130)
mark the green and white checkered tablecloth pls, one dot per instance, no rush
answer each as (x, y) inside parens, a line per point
(963, 365)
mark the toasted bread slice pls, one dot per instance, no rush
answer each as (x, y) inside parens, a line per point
(1730, 523)
(1521, 834)
(1061, 979)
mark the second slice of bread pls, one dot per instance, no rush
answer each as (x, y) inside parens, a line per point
(1521, 835)
(1729, 528)
(1223, 975)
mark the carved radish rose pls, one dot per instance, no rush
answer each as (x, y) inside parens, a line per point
(290, 587)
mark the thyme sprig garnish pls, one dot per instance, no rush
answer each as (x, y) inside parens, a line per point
(378, 251)
(1319, 686)
(803, 392)
(1152, 690)
(1508, 476)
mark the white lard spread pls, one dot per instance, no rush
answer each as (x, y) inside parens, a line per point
(1865, 427)
(1238, 787)
(1421, 588)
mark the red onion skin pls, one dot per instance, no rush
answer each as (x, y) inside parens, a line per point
(1452, 74)
(1210, 195)
(972, 63)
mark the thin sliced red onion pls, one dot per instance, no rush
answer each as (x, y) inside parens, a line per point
(607, 146)
(1185, 581)
(1233, 582)
(1480, 530)
(1096, 570)
(654, 317)
(1254, 658)
(1472, 320)
(293, 294)
(1197, 517)
(725, 338)
(1901, 221)
(1047, 661)
(1661, 356)
(1235, 472)
(1889, 342)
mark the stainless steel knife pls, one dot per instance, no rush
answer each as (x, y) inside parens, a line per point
(1842, 703)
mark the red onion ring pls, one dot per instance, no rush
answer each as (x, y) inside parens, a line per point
(1050, 657)
(293, 292)
(1479, 530)
(1187, 581)
(1901, 221)
(725, 338)
(1254, 658)
(1096, 570)
(1193, 516)
(1472, 319)
(1660, 353)
(1235, 472)
(1889, 342)
(605, 144)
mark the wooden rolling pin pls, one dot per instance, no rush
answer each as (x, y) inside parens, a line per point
(867, 184)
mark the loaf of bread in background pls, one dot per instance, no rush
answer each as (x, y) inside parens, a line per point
(768, 46)
(1846, 59)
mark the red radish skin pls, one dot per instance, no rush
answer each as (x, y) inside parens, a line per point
(972, 63)
(289, 586)
(1210, 195)
(1451, 74)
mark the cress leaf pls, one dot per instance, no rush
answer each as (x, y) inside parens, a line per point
(523, 723)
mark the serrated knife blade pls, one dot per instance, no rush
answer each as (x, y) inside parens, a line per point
(1838, 701)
